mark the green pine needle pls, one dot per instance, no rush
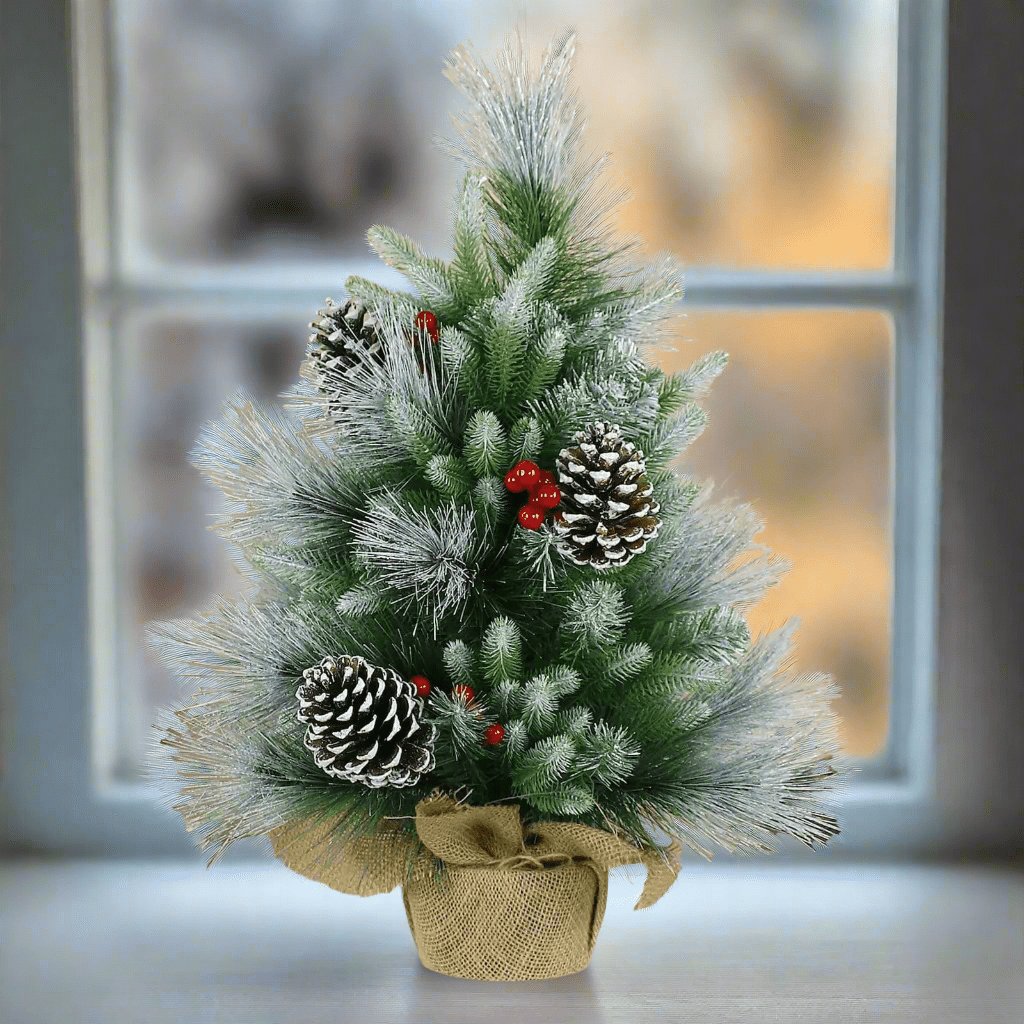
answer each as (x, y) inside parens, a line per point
(501, 651)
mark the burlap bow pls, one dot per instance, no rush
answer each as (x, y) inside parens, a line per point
(465, 837)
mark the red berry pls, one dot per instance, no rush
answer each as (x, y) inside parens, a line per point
(544, 476)
(422, 684)
(546, 495)
(531, 516)
(426, 321)
(463, 691)
(494, 735)
(522, 476)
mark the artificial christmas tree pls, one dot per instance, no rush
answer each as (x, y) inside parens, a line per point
(494, 645)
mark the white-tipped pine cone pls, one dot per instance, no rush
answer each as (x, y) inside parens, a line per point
(608, 513)
(365, 723)
(342, 337)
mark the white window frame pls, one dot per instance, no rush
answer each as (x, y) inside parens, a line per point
(61, 380)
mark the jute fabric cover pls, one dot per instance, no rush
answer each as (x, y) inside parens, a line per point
(509, 904)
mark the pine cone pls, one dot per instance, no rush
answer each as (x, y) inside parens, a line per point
(607, 514)
(343, 336)
(361, 720)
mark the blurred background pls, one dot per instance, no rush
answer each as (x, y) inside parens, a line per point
(255, 152)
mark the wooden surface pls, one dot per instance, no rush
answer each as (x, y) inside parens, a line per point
(112, 942)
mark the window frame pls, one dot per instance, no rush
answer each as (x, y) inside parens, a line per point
(60, 609)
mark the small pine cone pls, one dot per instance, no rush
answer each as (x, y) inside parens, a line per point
(361, 722)
(607, 514)
(343, 337)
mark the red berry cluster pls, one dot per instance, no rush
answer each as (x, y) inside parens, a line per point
(541, 488)
(495, 733)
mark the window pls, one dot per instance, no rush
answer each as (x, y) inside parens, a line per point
(789, 153)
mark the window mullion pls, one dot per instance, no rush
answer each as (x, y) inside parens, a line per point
(704, 289)
(904, 214)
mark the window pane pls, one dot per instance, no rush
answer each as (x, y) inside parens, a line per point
(175, 373)
(800, 426)
(751, 133)
(276, 129)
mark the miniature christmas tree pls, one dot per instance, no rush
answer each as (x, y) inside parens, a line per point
(476, 574)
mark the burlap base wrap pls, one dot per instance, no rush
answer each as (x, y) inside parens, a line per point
(500, 925)
(510, 904)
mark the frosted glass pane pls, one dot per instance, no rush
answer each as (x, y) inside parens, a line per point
(800, 425)
(175, 372)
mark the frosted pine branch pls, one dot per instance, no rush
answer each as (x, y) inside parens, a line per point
(428, 557)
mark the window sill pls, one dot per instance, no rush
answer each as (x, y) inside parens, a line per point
(171, 942)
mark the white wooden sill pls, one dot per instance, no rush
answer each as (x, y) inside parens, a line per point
(150, 942)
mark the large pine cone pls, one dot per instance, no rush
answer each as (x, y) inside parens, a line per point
(343, 336)
(607, 514)
(361, 722)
